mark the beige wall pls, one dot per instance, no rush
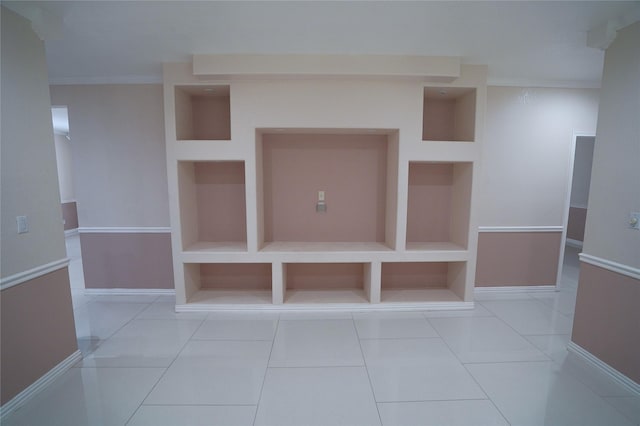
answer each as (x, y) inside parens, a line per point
(615, 176)
(606, 319)
(37, 316)
(28, 166)
(527, 146)
(65, 168)
(119, 153)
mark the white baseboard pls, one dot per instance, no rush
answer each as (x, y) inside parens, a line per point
(71, 232)
(129, 292)
(574, 243)
(23, 397)
(605, 368)
(515, 289)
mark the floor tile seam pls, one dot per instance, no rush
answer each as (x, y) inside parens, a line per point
(411, 401)
(399, 338)
(576, 376)
(200, 339)
(123, 325)
(487, 394)
(507, 362)
(198, 405)
(163, 374)
(606, 400)
(266, 370)
(366, 370)
(300, 367)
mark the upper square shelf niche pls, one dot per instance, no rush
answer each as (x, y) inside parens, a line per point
(449, 114)
(203, 113)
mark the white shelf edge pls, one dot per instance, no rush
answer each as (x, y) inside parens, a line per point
(329, 307)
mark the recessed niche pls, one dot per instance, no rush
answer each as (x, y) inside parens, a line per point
(325, 283)
(203, 113)
(423, 281)
(228, 283)
(449, 114)
(213, 205)
(438, 205)
(354, 171)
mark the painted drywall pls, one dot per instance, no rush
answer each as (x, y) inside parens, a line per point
(606, 317)
(65, 168)
(526, 152)
(28, 170)
(119, 154)
(350, 169)
(37, 316)
(583, 161)
(615, 175)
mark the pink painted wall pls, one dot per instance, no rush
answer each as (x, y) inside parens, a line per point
(517, 258)
(70, 215)
(576, 224)
(414, 274)
(38, 330)
(607, 319)
(211, 117)
(438, 119)
(235, 276)
(429, 203)
(221, 200)
(324, 276)
(127, 260)
(351, 169)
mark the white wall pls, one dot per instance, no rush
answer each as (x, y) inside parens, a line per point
(615, 190)
(28, 177)
(118, 154)
(526, 152)
(64, 162)
(582, 172)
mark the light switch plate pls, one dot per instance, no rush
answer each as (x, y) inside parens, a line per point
(23, 224)
(634, 220)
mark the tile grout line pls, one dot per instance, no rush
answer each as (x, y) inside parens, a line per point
(366, 368)
(166, 369)
(266, 370)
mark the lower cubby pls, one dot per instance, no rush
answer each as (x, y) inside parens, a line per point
(227, 283)
(418, 282)
(326, 283)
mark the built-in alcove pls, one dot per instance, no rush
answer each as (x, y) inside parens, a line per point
(438, 205)
(449, 114)
(228, 283)
(423, 281)
(203, 113)
(212, 205)
(326, 282)
(356, 170)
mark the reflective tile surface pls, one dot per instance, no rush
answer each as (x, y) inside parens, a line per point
(503, 363)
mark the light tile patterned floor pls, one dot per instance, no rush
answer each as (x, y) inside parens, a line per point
(504, 363)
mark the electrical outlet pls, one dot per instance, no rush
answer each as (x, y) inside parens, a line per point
(634, 220)
(320, 195)
(23, 224)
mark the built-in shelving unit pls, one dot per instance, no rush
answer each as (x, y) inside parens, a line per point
(327, 196)
(449, 114)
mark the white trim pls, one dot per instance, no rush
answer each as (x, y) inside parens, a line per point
(574, 243)
(129, 292)
(605, 368)
(328, 307)
(578, 206)
(609, 265)
(35, 387)
(550, 228)
(543, 83)
(38, 271)
(124, 230)
(514, 289)
(73, 200)
(71, 232)
(119, 79)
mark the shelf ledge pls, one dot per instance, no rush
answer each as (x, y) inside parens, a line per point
(301, 247)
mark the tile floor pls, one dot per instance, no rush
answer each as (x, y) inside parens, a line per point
(503, 363)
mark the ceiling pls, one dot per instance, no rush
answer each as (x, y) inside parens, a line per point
(522, 42)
